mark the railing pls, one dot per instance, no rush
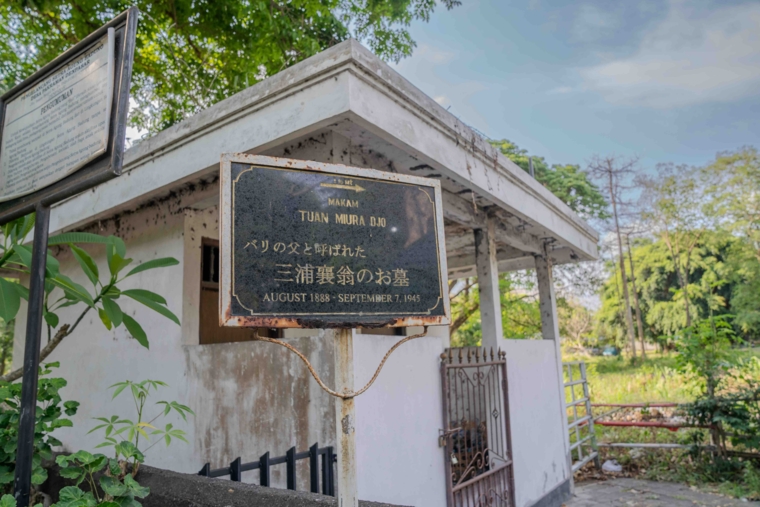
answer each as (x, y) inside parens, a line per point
(265, 462)
(581, 422)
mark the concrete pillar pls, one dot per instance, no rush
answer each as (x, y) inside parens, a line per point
(550, 331)
(488, 285)
(547, 298)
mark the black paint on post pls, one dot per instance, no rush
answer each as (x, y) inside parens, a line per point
(264, 470)
(25, 450)
(236, 473)
(331, 458)
(290, 460)
(314, 468)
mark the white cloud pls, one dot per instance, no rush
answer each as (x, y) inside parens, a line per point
(561, 90)
(592, 23)
(690, 57)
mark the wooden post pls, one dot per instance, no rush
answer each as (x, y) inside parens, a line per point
(550, 331)
(345, 419)
(488, 285)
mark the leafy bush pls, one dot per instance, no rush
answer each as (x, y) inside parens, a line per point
(116, 485)
(50, 416)
(728, 403)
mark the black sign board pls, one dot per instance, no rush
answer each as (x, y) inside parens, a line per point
(317, 245)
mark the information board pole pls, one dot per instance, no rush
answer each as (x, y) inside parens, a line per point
(62, 131)
(345, 419)
(25, 449)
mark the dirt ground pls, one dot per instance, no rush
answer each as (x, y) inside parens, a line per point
(637, 493)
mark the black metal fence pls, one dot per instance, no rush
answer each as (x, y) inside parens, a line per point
(265, 462)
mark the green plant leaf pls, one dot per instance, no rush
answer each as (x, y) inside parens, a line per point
(104, 318)
(78, 237)
(52, 266)
(113, 486)
(72, 472)
(23, 291)
(119, 245)
(86, 263)
(10, 300)
(6, 474)
(136, 331)
(135, 488)
(113, 311)
(150, 303)
(120, 386)
(51, 319)
(24, 254)
(108, 504)
(73, 290)
(70, 407)
(155, 263)
(117, 263)
(145, 294)
(39, 475)
(128, 501)
(129, 451)
(7, 501)
(72, 496)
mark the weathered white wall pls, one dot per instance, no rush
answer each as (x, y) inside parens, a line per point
(249, 398)
(397, 420)
(538, 430)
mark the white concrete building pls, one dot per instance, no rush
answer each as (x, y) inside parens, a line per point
(342, 106)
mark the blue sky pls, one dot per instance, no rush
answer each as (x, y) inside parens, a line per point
(665, 80)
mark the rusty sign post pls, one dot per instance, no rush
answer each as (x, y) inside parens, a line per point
(313, 245)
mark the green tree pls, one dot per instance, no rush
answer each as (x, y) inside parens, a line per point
(674, 206)
(194, 53)
(567, 181)
(734, 190)
(520, 314)
(722, 278)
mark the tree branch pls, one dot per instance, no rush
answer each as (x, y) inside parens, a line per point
(62, 333)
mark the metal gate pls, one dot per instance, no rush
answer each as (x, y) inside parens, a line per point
(476, 432)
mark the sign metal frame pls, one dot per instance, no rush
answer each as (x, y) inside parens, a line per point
(106, 166)
(226, 317)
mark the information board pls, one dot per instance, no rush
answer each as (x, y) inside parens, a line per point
(58, 125)
(318, 245)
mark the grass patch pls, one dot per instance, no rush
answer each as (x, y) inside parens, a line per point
(657, 379)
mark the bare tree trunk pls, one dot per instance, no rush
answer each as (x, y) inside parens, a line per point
(628, 315)
(457, 322)
(683, 282)
(639, 322)
(3, 357)
(686, 296)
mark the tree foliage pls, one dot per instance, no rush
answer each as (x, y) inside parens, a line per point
(192, 54)
(723, 279)
(520, 314)
(567, 181)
